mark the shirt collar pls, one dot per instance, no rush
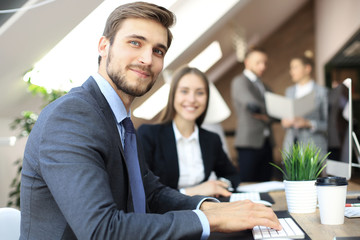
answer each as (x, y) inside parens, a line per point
(302, 90)
(178, 136)
(250, 75)
(112, 98)
(308, 85)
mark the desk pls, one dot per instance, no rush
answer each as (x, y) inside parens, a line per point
(310, 222)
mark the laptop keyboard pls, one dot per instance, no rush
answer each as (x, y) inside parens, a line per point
(289, 230)
(253, 196)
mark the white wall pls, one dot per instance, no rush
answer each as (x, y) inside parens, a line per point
(8, 155)
(335, 22)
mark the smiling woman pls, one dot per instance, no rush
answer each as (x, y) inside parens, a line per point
(179, 150)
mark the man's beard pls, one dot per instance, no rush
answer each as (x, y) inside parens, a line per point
(119, 79)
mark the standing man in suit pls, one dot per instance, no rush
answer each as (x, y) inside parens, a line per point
(253, 138)
(76, 179)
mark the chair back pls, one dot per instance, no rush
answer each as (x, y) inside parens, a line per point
(9, 223)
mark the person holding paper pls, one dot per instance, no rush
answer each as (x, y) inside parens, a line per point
(313, 126)
(253, 136)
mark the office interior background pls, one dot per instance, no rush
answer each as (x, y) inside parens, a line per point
(330, 29)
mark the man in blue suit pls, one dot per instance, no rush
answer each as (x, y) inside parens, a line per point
(75, 180)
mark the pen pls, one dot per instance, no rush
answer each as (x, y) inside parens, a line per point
(352, 205)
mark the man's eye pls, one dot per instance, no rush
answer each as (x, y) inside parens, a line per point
(159, 52)
(135, 43)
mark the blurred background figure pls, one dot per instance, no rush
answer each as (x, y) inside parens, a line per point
(337, 124)
(313, 126)
(178, 150)
(253, 136)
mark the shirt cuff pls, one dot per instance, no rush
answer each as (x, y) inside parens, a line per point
(204, 223)
(182, 190)
(203, 219)
(210, 199)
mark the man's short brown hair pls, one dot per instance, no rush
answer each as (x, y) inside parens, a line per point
(141, 10)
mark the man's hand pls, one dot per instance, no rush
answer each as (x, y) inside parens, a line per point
(287, 122)
(238, 216)
(209, 188)
(262, 117)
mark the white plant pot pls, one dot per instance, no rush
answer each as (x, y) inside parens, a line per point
(301, 196)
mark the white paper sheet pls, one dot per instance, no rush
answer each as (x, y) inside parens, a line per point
(262, 187)
(278, 106)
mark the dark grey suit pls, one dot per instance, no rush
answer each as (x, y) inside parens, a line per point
(249, 131)
(160, 148)
(75, 184)
(254, 148)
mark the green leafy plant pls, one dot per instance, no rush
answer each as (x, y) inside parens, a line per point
(302, 162)
(25, 123)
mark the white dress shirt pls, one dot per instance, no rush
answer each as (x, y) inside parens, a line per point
(250, 75)
(191, 166)
(302, 90)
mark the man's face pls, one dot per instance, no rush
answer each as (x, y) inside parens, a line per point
(136, 57)
(256, 62)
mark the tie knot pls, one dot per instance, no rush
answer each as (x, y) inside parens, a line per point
(128, 125)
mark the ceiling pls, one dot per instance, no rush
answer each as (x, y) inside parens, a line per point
(30, 36)
(36, 31)
(9, 4)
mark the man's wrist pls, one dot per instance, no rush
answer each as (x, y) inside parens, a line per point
(208, 203)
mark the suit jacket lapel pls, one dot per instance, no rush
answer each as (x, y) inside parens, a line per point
(170, 153)
(254, 89)
(291, 92)
(95, 91)
(206, 157)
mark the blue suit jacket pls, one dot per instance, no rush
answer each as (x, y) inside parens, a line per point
(75, 184)
(161, 154)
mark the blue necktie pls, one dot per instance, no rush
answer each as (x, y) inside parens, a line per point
(132, 162)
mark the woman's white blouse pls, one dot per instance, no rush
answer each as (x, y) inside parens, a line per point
(191, 167)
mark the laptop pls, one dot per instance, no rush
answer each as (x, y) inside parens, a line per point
(356, 146)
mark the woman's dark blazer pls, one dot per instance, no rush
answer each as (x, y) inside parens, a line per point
(161, 154)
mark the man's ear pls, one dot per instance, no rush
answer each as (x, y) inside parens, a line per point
(103, 47)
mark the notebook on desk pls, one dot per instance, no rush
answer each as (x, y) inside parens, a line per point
(268, 186)
(253, 196)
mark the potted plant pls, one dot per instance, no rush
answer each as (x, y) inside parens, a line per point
(303, 163)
